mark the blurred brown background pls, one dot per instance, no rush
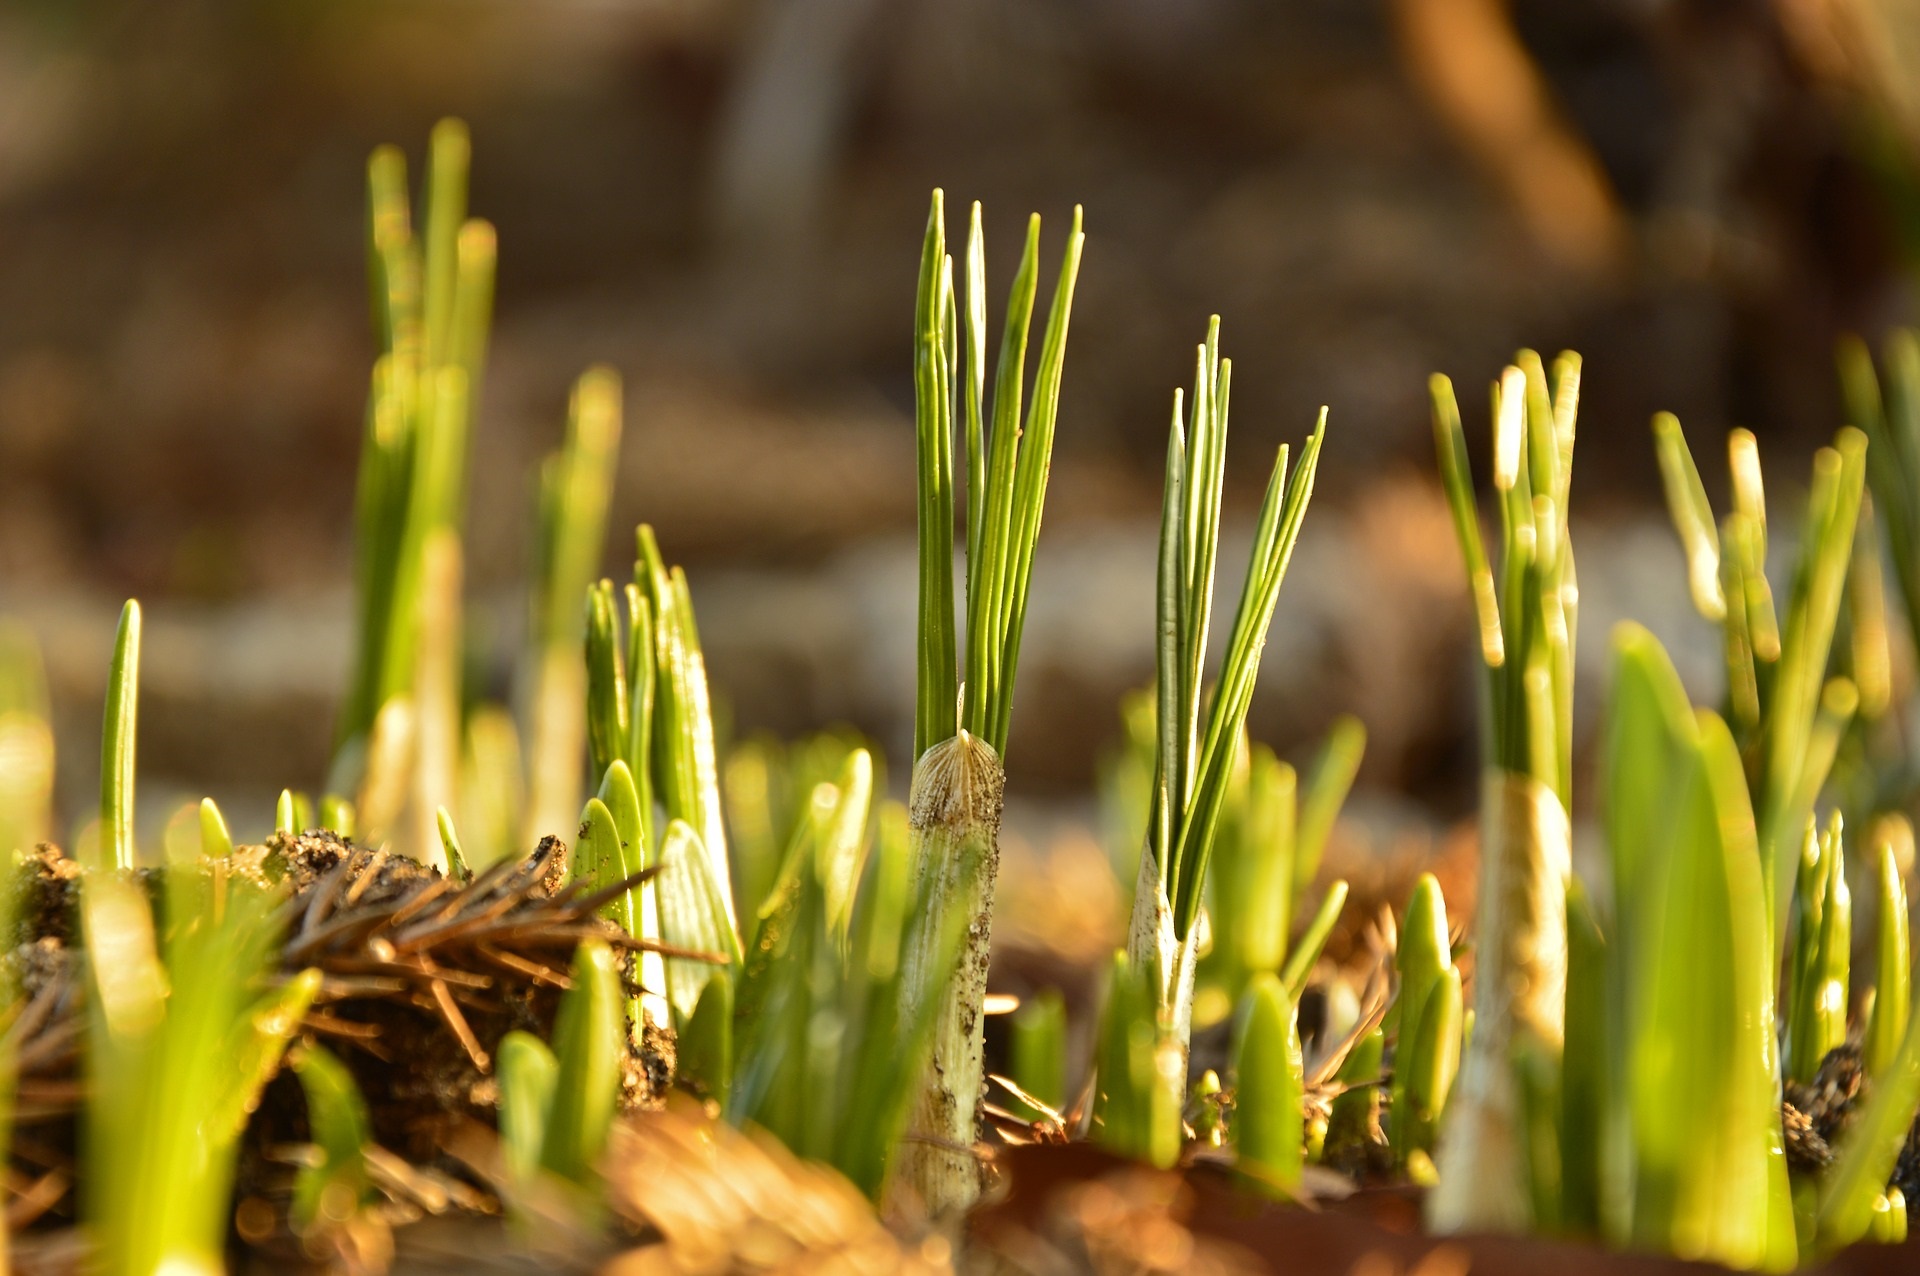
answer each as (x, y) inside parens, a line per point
(724, 200)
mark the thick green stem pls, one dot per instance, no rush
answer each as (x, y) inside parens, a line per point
(954, 827)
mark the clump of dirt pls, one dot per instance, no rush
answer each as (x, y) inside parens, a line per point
(421, 977)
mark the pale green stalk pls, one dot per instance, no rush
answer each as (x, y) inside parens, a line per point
(964, 695)
(1527, 621)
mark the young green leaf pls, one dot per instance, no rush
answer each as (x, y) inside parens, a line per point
(590, 1043)
(117, 737)
(215, 841)
(1269, 1089)
(1893, 949)
(1432, 1061)
(528, 1073)
(1328, 784)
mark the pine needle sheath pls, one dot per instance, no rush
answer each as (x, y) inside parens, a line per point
(961, 724)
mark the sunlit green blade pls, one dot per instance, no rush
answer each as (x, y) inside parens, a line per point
(936, 701)
(457, 865)
(600, 861)
(1871, 1146)
(336, 815)
(1313, 940)
(1030, 488)
(607, 712)
(577, 484)
(1893, 949)
(117, 740)
(1356, 1112)
(1692, 515)
(215, 841)
(1451, 446)
(621, 797)
(1328, 784)
(987, 600)
(1422, 959)
(692, 915)
(1833, 508)
(1432, 1062)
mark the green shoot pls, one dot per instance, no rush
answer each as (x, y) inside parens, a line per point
(285, 821)
(1039, 1048)
(1527, 622)
(1893, 949)
(26, 741)
(117, 740)
(964, 697)
(1870, 1147)
(178, 1049)
(1136, 1108)
(1313, 940)
(215, 841)
(590, 1042)
(1422, 959)
(1195, 751)
(527, 1073)
(493, 784)
(1432, 1059)
(433, 293)
(1698, 1095)
(1328, 783)
(677, 738)
(1819, 958)
(1269, 1090)
(576, 485)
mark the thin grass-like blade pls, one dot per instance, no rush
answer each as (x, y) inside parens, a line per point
(117, 742)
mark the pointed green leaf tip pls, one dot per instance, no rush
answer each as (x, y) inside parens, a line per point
(117, 738)
(599, 863)
(1269, 1123)
(215, 841)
